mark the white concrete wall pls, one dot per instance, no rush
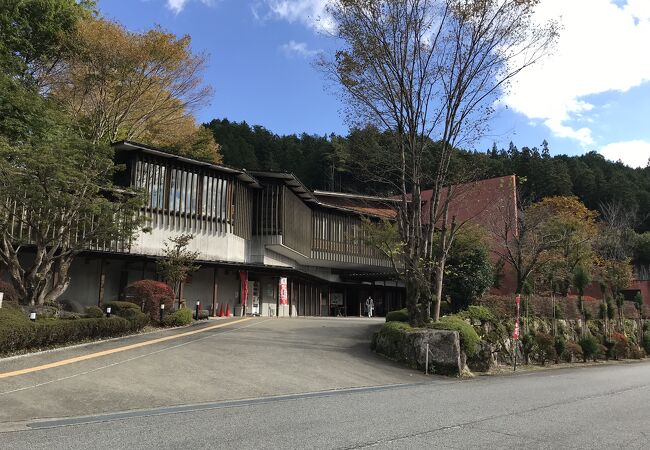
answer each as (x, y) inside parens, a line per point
(210, 245)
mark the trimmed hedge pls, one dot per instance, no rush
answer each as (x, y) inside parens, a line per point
(469, 339)
(178, 318)
(401, 315)
(18, 333)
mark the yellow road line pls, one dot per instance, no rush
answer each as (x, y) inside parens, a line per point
(65, 362)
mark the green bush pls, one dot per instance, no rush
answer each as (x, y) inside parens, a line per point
(119, 307)
(468, 338)
(94, 312)
(400, 315)
(392, 329)
(590, 347)
(137, 318)
(479, 313)
(178, 318)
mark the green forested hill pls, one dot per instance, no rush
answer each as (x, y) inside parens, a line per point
(332, 162)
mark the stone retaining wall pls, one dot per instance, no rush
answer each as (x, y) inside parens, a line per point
(409, 347)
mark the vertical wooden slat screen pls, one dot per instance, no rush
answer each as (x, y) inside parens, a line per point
(192, 199)
(340, 237)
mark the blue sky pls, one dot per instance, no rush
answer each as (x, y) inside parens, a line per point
(591, 94)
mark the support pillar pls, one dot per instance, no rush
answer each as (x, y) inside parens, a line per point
(214, 293)
(102, 282)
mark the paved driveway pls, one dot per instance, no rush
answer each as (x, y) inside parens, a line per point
(246, 359)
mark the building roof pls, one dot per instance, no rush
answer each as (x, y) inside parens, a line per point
(135, 146)
(384, 207)
(291, 181)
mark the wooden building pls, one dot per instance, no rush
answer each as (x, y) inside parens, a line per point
(254, 231)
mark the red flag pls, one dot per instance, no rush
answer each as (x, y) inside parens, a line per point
(515, 335)
(243, 278)
(284, 297)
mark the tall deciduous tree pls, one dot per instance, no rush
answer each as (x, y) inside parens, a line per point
(428, 70)
(525, 241)
(56, 191)
(120, 85)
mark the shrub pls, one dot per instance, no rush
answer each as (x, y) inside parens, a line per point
(94, 312)
(131, 312)
(14, 328)
(151, 294)
(573, 351)
(560, 346)
(478, 313)
(528, 344)
(590, 347)
(646, 342)
(545, 347)
(619, 347)
(119, 307)
(178, 318)
(137, 318)
(392, 328)
(401, 315)
(637, 353)
(468, 338)
(204, 314)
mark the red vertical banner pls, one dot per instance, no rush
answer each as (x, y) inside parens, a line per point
(516, 333)
(284, 296)
(243, 278)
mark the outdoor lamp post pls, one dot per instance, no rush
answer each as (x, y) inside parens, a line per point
(108, 311)
(32, 316)
(162, 311)
(198, 305)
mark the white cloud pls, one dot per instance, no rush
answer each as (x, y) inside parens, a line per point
(602, 47)
(632, 153)
(312, 13)
(293, 48)
(178, 5)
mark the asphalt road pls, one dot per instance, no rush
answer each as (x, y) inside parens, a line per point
(598, 407)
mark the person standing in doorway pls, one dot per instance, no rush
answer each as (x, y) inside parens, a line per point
(370, 306)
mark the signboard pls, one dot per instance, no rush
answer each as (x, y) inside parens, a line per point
(284, 295)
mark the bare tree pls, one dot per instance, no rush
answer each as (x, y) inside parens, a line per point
(428, 71)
